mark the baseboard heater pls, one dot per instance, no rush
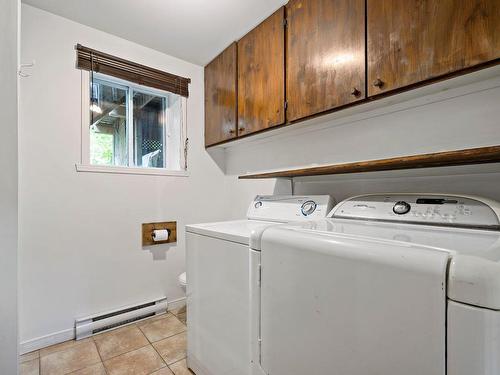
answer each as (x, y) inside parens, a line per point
(88, 326)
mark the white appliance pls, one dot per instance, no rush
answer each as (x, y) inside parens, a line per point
(220, 276)
(389, 284)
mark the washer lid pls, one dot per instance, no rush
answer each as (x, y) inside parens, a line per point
(263, 211)
(471, 242)
(474, 268)
(236, 231)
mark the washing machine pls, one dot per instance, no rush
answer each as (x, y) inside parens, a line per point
(220, 276)
(388, 284)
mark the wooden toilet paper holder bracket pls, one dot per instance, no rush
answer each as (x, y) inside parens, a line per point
(148, 228)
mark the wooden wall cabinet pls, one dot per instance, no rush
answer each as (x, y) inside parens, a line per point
(333, 53)
(221, 97)
(415, 40)
(325, 55)
(261, 76)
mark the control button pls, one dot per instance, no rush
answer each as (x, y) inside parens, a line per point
(258, 204)
(308, 208)
(401, 208)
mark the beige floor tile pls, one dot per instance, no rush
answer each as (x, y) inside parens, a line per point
(180, 310)
(182, 317)
(180, 368)
(119, 341)
(162, 328)
(31, 367)
(138, 362)
(78, 356)
(172, 349)
(97, 369)
(62, 346)
(152, 319)
(163, 371)
(29, 356)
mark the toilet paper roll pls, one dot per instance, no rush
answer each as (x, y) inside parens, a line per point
(160, 235)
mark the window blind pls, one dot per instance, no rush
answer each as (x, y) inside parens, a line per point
(100, 62)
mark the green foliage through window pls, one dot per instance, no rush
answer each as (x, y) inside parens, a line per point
(101, 148)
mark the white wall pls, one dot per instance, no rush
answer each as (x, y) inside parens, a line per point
(80, 233)
(9, 19)
(452, 115)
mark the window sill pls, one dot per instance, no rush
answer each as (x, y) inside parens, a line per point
(129, 170)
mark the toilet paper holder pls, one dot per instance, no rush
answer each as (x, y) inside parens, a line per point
(149, 228)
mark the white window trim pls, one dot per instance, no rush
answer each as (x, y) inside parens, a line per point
(129, 170)
(85, 166)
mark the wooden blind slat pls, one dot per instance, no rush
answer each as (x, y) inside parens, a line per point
(130, 71)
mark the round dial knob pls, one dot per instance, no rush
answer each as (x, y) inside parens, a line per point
(308, 208)
(401, 208)
(258, 204)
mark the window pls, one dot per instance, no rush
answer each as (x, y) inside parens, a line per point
(133, 116)
(108, 123)
(126, 125)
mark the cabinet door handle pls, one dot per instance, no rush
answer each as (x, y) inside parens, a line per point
(378, 83)
(241, 129)
(355, 92)
(232, 131)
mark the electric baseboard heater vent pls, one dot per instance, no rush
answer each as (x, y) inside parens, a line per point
(88, 326)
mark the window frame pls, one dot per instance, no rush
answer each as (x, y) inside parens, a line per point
(86, 166)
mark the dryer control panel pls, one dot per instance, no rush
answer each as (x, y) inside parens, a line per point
(428, 209)
(285, 208)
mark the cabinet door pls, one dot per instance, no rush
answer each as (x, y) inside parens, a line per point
(415, 40)
(325, 63)
(261, 76)
(221, 97)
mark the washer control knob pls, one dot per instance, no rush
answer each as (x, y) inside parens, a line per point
(401, 208)
(258, 204)
(308, 208)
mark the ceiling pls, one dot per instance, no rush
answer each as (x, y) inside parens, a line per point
(192, 30)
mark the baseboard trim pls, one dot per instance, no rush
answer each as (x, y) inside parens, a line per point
(176, 304)
(69, 334)
(47, 340)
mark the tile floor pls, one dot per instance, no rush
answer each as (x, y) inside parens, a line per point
(153, 346)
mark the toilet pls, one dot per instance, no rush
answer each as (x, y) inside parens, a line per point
(182, 280)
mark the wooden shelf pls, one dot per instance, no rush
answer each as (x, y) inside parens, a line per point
(478, 155)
